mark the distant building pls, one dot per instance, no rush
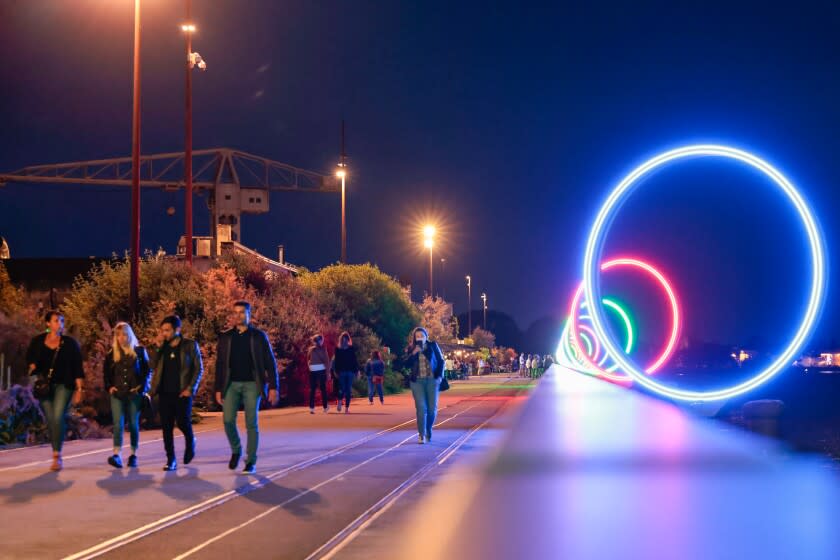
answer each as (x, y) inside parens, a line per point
(821, 360)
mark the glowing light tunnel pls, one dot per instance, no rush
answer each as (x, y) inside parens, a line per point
(593, 255)
(592, 361)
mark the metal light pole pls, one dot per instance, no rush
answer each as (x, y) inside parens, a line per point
(429, 243)
(469, 306)
(342, 174)
(134, 283)
(193, 58)
(188, 29)
(484, 298)
(442, 277)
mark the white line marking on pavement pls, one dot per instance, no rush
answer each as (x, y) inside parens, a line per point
(347, 535)
(309, 490)
(187, 513)
(86, 453)
(177, 517)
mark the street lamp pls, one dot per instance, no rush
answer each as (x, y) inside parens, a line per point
(193, 59)
(134, 281)
(469, 305)
(443, 277)
(341, 173)
(429, 243)
(484, 298)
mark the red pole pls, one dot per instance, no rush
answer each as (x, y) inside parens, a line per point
(188, 209)
(134, 286)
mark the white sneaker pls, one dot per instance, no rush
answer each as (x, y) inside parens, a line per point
(339, 406)
(326, 409)
(311, 411)
(420, 439)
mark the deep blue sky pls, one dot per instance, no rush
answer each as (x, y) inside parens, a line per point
(510, 121)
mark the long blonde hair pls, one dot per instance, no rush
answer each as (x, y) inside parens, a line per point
(132, 341)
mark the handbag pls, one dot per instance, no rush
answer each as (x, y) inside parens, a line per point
(377, 379)
(42, 388)
(444, 384)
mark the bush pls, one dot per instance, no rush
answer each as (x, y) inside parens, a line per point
(21, 417)
(22, 420)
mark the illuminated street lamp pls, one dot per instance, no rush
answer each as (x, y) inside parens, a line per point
(469, 305)
(193, 59)
(484, 299)
(429, 243)
(341, 173)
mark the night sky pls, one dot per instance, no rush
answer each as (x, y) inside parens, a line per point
(506, 122)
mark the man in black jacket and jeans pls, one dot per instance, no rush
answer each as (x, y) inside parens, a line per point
(177, 366)
(245, 365)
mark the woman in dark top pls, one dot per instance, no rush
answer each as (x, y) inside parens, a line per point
(127, 375)
(345, 366)
(375, 372)
(58, 358)
(425, 361)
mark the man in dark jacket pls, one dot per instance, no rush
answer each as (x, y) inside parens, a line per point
(245, 366)
(177, 366)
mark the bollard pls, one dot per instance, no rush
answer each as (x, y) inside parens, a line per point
(762, 416)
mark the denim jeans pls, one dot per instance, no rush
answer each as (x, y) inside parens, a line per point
(425, 392)
(55, 408)
(374, 388)
(126, 412)
(317, 379)
(250, 393)
(345, 378)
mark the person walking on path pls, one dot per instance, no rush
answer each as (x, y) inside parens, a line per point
(178, 368)
(127, 375)
(245, 367)
(345, 366)
(375, 372)
(319, 363)
(425, 361)
(56, 360)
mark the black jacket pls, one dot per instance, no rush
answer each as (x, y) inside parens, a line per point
(68, 361)
(142, 371)
(262, 358)
(345, 360)
(192, 367)
(432, 353)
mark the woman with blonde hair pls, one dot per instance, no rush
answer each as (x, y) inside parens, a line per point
(127, 375)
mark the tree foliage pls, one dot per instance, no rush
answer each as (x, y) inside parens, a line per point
(437, 318)
(11, 297)
(482, 338)
(365, 295)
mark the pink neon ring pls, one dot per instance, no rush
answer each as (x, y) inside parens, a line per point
(675, 318)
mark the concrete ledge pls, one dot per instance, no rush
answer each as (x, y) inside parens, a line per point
(592, 470)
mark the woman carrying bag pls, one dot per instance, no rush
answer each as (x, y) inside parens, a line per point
(55, 361)
(425, 361)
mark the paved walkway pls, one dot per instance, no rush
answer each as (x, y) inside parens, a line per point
(319, 479)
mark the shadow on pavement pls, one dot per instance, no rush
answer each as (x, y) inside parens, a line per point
(123, 483)
(42, 485)
(299, 500)
(185, 484)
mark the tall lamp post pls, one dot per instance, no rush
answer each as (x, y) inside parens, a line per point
(429, 243)
(443, 277)
(193, 59)
(469, 305)
(484, 298)
(341, 173)
(134, 283)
